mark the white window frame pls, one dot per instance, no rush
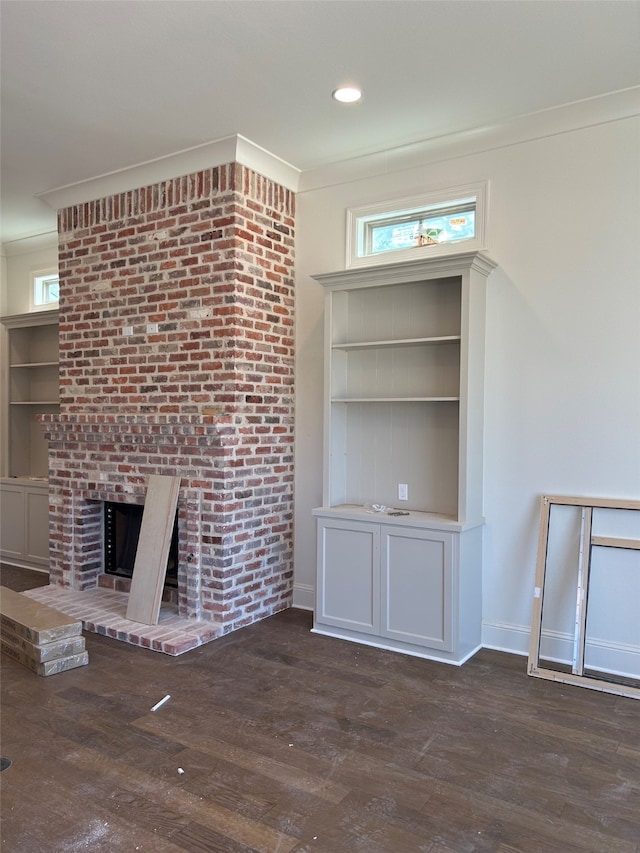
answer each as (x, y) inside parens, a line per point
(39, 282)
(359, 218)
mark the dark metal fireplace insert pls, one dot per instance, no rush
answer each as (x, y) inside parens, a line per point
(122, 523)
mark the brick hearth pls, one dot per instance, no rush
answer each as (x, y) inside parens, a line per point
(176, 358)
(103, 611)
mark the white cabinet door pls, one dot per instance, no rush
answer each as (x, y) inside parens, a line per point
(348, 584)
(12, 522)
(24, 532)
(37, 526)
(417, 587)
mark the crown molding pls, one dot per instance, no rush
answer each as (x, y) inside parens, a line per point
(526, 128)
(26, 245)
(230, 149)
(236, 148)
(265, 163)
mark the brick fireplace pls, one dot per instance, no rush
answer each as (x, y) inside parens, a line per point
(176, 358)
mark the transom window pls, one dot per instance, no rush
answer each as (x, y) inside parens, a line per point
(427, 227)
(439, 223)
(46, 288)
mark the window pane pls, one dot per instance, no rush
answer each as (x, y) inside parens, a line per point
(402, 232)
(51, 290)
(398, 236)
(46, 289)
(444, 229)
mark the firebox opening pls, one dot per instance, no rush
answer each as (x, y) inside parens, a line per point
(122, 524)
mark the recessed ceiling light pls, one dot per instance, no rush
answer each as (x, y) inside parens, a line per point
(347, 95)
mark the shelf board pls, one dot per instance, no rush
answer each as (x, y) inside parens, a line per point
(404, 342)
(415, 518)
(395, 400)
(34, 402)
(24, 480)
(36, 364)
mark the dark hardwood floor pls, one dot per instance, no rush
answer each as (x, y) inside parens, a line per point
(280, 741)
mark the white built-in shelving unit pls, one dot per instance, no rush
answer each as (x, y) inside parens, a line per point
(404, 401)
(31, 387)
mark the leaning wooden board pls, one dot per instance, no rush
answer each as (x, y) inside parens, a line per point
(150, 565)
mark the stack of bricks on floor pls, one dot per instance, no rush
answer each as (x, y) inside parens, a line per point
(40, 637)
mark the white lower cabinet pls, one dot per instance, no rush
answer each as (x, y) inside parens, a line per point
(24, 523)
(416, 584)
(348, 592)
(398, 586)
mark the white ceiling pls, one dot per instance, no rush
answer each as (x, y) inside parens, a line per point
(93, 86)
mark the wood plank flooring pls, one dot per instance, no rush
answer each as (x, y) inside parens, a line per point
(281, 741)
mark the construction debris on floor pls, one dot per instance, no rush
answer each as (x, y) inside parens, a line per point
(38, 636)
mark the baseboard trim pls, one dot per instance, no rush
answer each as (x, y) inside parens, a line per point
(19, 564)
(506, 637)
(304, 596)
(620, 659)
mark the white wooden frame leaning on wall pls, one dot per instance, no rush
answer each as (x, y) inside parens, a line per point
(579, 674)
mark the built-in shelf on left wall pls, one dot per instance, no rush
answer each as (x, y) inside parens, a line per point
(30, 383)
(32, 387)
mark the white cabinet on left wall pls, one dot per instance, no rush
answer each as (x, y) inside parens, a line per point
(30, 384)
(24, 523)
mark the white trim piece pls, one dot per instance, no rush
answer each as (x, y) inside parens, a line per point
(29, 318)
(506, 637)
(230, 149)
(590, 112)
(27, 245)
(265, 163)
(21, 564)
(408, 270)
(619, 659)
(426, 654)
(304, 596)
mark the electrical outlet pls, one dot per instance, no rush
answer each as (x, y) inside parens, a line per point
(403, 492)
(152, 328)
